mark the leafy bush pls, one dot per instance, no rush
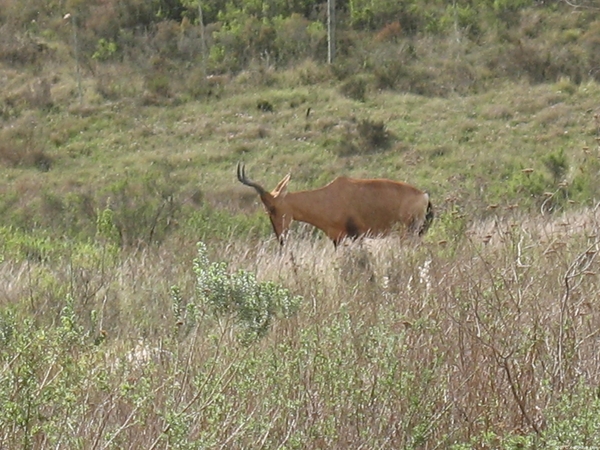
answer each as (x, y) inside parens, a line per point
(251, 303)
(140, 211)
(360, 137)
(298, 38)
(159, 83)
(105, 50)
(25, 156)
(449, 229)
(355, 88)
(585, 183)
(527, 184)
(390, 66)
(557, 164)
(39, 390)
(21, 246)
(373, 134)
(199, 86)
(20, 50)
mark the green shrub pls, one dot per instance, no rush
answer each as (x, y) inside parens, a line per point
(344, 146)
(557, 164)
(139, 211)
(460, 17)
(40, 389)
(252, 304)
(17, 245)
(528, 184)
(449, 229)
(360, 138)
(298, 38)
(199, 86)
(373, 134)
(105, 50)
(25, 156)
(355, 88)
(20, 50)
(390, 70)
(584, 185)
(158, 84)
(208, 222)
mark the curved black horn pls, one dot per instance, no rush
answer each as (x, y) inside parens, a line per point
(241, 174)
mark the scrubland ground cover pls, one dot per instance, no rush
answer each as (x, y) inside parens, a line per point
(381, 345)
(144, 302)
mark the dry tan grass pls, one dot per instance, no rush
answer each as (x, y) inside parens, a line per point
(542, 229)
(395, 342)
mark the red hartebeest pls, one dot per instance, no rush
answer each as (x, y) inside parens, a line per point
(346, 207)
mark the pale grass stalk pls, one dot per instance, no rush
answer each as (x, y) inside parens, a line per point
(240, 427)
(516, 393)
(8, 365)
(211, 396)
(104, 420)
(188, 365)
(579, 266)
(45, 382)
(290, 429)
(123, 427)
(266, 434)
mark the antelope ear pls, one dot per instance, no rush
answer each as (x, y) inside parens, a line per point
(281, 188)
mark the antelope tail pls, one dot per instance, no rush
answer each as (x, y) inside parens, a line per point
(429, 215)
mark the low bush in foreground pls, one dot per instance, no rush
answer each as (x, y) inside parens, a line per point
(485, 339)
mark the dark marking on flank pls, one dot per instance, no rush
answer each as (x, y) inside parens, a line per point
(351, 228)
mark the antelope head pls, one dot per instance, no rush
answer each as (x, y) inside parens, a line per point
(275, 203)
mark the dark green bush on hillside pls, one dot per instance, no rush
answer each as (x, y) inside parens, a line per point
(373, 134)
(557, 164)
(355, 88)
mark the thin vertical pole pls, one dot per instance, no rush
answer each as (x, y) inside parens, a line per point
(76, 49)
(202, 36)
(330, 31)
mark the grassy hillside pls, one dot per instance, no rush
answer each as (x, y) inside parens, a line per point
(62, 166)
(145, 303)
(475, 108)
